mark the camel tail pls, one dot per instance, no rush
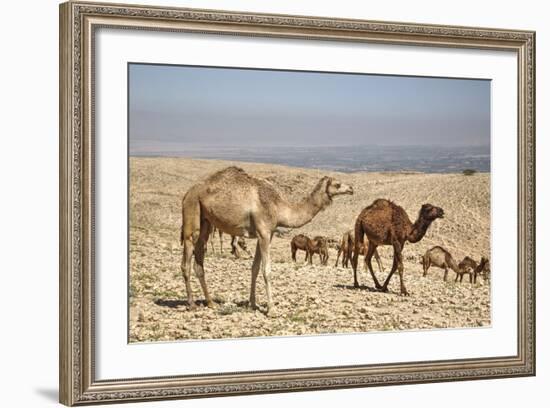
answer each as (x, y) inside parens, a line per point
(182, 228)
(350, 248)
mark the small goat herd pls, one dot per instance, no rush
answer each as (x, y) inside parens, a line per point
(231, 201)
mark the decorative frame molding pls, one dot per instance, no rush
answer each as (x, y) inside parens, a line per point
(78, 21)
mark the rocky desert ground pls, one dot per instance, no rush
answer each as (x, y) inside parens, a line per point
(309, 299)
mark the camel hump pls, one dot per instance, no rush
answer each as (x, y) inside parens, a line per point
(234, 169)
(381, 202)
(440, 248)
(228, 172)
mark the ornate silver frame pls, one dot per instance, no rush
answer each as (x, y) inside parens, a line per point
(78, 22)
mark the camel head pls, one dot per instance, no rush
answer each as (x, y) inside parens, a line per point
(334, 188)
(484, 264)
(464, 265)
(429, 212)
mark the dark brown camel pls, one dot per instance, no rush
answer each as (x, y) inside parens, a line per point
(301, 242)
(386, 223)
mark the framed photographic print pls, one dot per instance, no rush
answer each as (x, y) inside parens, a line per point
(256, 203)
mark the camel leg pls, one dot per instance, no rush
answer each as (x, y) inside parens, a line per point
(348, 256)
(293, 250)
(395, 266)
(445, 274)
(370, 251)
(338, 256)
(307, 259)
(212, 245)
(383, 288)
(378, 261)
(186, 270)
(425, 265)
(266, 270)
(221, 241)
(199, 260)
(404, 291)
(456, 278)
(345, 259)
(470, 277)
(255, 269)
(234, 249)
(354, 261)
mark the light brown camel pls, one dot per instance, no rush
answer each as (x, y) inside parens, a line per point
(236, 242)
(343, 249)
(440, 257)
(386, 223)
(318, 245)
(213, 235)
(241, 205)
(347, 246)
(301, 242)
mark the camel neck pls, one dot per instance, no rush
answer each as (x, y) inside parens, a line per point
(295, 215)
(418, 230)
(453, 264)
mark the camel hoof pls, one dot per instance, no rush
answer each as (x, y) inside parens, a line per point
(271, 312)
(192, 306)
(405, 293)
(210, 304)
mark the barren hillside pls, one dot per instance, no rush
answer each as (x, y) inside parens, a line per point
(309, 299)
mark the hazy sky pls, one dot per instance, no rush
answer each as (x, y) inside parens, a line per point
(174, 106)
